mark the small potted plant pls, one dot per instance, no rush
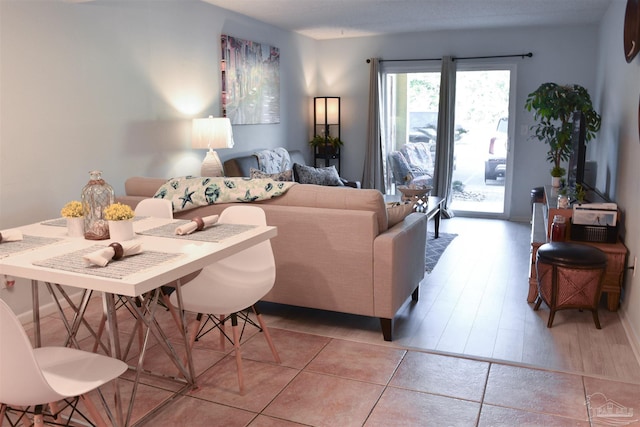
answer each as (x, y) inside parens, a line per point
(330, 144)
(120, 218)
(557, 172)
(580, 193)
(74, 215)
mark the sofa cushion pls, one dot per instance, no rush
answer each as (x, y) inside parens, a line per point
(320, 196)
(318, 176)
(279, 176)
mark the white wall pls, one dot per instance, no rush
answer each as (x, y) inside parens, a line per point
(113, 85)
(618, 147)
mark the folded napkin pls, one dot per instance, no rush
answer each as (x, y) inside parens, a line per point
(115, 251)
(10, 235)
(197, 223)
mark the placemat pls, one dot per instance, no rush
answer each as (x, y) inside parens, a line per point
(26, 244)
(215, 233)
(57, 222)
(74, 262)
(62, 222)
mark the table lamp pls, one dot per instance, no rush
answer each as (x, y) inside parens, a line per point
(212, 133)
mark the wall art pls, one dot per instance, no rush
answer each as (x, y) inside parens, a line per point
(250, 81)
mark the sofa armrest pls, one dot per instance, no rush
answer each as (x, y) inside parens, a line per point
(398, 263)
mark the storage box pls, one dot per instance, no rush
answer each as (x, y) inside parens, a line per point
(597, 214)
(594, 233)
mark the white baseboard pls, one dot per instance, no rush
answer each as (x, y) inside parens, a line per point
(632, 334)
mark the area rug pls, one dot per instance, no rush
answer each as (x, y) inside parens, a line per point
(435, 248)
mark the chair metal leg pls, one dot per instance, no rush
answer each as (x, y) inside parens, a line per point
(193, 333)
(103, 321)
(222, 332)
(236, 345)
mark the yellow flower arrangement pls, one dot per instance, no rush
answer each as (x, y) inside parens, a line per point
(118, 212)
(73, 209)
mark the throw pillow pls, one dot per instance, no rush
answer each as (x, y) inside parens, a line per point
(397, 211)
(280, 176)
(319, 176)
(400, 167)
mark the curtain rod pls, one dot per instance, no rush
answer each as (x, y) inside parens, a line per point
(522, 55)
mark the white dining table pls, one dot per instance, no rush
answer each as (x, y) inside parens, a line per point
(47, 255)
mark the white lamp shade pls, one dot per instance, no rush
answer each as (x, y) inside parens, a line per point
(327, 111)
(212, 132)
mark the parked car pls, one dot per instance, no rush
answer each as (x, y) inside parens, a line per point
(495, 164)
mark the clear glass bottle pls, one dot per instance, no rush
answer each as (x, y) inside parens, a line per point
(563, 201)
(558, 229)
(96, 196)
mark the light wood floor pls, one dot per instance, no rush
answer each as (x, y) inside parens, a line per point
(474, 303)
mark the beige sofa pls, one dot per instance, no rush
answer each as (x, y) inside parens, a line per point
(334, 249)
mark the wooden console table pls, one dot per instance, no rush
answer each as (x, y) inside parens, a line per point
(540, 231)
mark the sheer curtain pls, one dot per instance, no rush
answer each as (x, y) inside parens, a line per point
(445, 136)
(375, 160)
(382, 112)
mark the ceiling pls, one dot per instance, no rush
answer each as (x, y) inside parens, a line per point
(331, 19)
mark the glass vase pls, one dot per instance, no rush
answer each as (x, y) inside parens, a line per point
(96, 196)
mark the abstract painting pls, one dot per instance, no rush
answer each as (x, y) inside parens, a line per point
(250, 81)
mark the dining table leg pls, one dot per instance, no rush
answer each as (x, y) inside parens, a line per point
(35, 301)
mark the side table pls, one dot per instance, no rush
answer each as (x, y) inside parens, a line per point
(418, 196)
(431, 206)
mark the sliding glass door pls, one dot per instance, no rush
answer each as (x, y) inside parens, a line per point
(482, 175)
(481, 152)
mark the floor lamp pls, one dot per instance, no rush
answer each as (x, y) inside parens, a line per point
(212, 133)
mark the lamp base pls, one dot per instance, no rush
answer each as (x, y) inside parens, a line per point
(211, 165)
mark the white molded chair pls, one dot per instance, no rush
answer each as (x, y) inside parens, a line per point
(37, 377)
(233, 284)
(157, 208)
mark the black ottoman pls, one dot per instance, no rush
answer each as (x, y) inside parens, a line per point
(570, 276)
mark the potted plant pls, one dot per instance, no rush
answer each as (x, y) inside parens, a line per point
(554, 106)
(120, 218)
(330, 143)
(557, 172)
(74, 214)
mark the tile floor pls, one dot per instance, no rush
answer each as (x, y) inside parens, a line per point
(343, 374)
(323, 381)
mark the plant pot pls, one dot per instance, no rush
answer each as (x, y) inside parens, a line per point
(75, 227)
(121, 230)
(555, 181)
